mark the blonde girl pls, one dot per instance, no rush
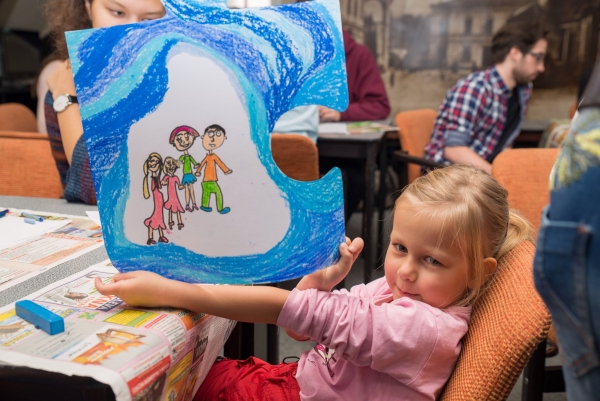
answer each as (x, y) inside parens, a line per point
(152, 169)
(172, 182)
(397, 337)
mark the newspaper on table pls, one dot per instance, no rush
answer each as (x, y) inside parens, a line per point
(143, 354)
(30, 249)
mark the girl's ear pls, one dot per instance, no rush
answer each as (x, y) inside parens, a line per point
(489, 267)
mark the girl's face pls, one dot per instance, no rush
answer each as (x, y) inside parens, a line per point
(154, 164)
(170, 166)
(183, 140)
(421, 263)
(105, 13)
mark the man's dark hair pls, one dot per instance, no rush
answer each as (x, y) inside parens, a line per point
(522, 35)
(215, 127)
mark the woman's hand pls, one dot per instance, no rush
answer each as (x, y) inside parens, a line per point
(137, 288)
(60, 81)
(327, 114)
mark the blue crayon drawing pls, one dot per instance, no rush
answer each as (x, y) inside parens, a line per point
(204, 65)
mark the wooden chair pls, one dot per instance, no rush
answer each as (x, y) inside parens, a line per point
(27, 167)
(507, 324)
(17, 117)
(298, 158)
(415, 128)
(525, 173)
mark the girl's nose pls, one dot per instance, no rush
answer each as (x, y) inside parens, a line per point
(407, 270)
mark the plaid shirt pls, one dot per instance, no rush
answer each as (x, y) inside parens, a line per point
(473, 114)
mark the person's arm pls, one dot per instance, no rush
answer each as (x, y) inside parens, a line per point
(326, 279)
(61, 82)
(259, 304)
(464, 105)
(465, 155)
(370, 97)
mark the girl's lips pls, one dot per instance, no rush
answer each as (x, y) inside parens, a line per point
(406, 294)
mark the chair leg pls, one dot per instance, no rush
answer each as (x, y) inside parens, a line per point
(272, 344)
(534, 375)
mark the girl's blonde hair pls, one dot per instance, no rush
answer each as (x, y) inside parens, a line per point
(473, 206)
(172, 160)
(146, 184)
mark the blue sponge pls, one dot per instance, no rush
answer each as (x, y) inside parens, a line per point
(40, 317)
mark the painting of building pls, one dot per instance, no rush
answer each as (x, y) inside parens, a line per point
(423, 46)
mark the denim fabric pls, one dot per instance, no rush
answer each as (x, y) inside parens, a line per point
(567, 261)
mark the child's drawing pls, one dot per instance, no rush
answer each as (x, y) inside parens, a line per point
(212, 139)
(183, 138)
(235, 72)
(152, 182)
(172, 182)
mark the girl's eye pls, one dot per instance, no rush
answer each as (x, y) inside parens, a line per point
(431, 261)
(401, 248)
(118, 13)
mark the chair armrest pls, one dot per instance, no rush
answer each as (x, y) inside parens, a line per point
(402, 156)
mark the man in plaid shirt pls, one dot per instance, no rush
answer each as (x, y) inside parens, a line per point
(482, 114)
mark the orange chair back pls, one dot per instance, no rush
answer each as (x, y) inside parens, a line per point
(296, 155)
(572, 110)
(16, 117)
(525, 173)
(415, 128)
(507, 324)
(27, 167)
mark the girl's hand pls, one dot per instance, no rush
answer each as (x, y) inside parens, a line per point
(164, 182)
(327, 114)
(60, 81)
(181, 187)
(331, 276)
(137, 288)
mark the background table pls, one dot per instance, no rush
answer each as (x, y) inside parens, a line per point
(365, 148)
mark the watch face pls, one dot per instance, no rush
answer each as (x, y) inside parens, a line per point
(61, 103)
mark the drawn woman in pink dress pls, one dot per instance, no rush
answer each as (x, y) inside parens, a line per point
(172, 182)
(152, 171)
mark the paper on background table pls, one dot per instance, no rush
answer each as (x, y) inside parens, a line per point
(35, 254)
(95, 216)
(14, 230)
(333, 128)
(143, 353)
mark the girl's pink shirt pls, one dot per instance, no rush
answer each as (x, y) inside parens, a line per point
(373, 348)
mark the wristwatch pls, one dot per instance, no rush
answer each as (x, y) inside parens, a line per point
(63, 101)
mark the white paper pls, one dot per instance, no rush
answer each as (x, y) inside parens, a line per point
(333, 128)
(95, 216)
(14, 230)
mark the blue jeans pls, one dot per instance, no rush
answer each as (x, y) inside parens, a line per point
(567, 276)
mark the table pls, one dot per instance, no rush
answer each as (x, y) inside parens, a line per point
(531, 133)
(24, 383)
(366, 148)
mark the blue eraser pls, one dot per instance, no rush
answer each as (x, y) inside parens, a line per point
(40, 317)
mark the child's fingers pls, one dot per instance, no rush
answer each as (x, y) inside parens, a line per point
(356, 246)
(124, 276)
(105, 289)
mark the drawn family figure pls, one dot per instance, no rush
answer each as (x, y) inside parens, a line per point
(172, 182)
(152, 170)
(183, 138)
(213, 138)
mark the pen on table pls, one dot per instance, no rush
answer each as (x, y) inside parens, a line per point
(3, 212)
(32, 216)
(28, 220)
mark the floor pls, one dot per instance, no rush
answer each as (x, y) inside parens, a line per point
(290, 347)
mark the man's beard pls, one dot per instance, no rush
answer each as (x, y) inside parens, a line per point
(522, 79)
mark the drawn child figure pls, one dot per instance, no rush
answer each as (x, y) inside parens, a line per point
(397, 337)
(172, 182)
(152, 170)
(183, 138)
(213, 138)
